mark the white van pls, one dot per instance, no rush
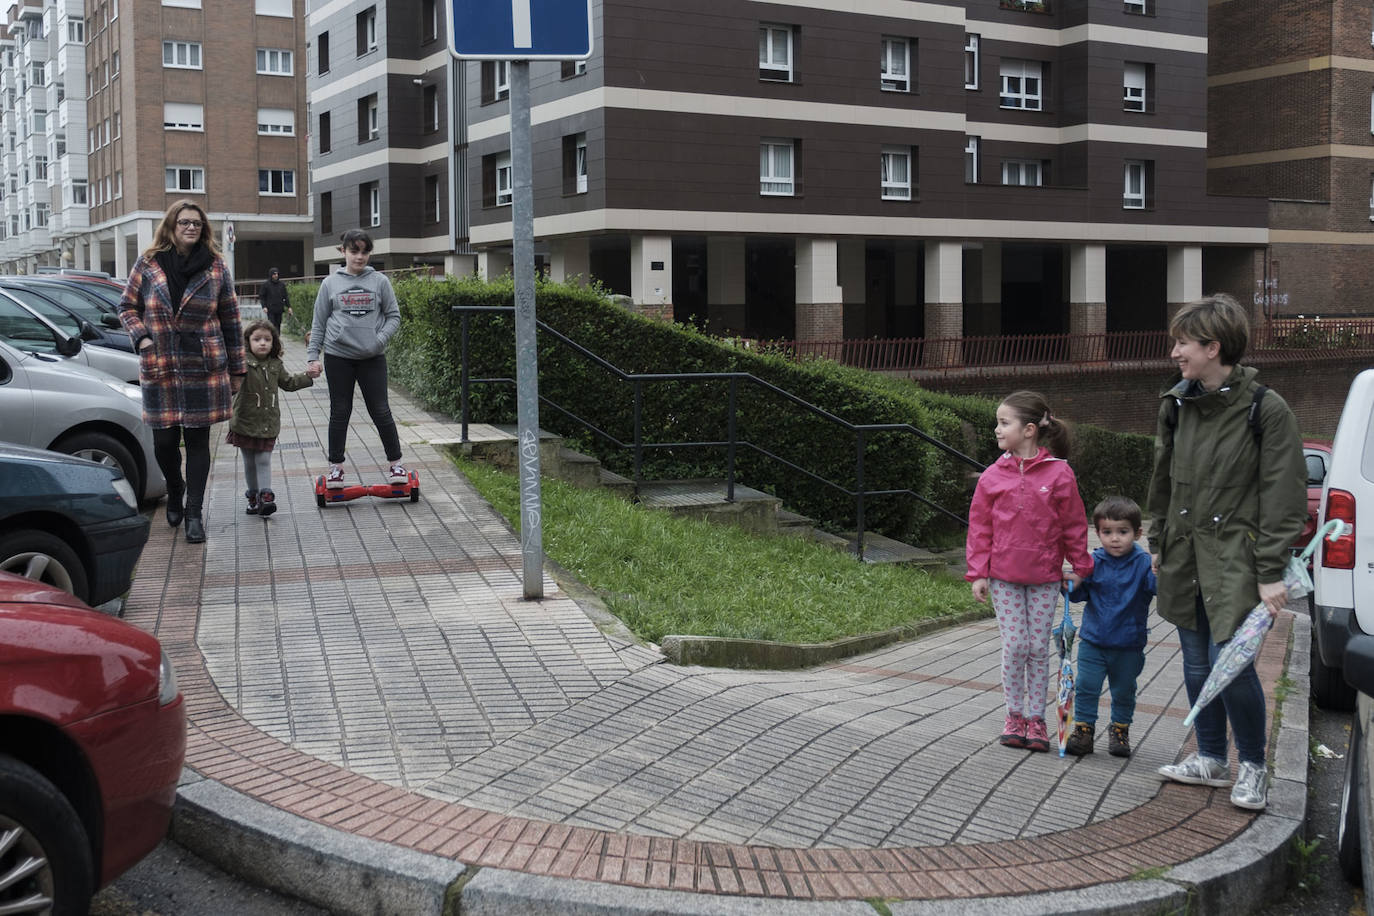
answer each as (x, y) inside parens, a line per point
(1343, 579)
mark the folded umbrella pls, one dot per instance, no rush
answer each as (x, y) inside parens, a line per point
(1245, 644)
(1063, 639)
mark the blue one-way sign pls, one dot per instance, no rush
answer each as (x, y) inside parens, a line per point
(521, 29)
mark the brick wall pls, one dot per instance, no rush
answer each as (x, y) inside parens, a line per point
(1126, 400)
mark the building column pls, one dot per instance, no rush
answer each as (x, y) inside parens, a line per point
(651, 275)
(493, 263)
(1184, 281)
(852, 274)
(820, 300)
(944, 302)
(460, 265)
(990, 302)
(1088, 302)
(570, 260)
(725, 283)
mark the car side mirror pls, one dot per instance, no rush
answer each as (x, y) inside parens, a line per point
(88, 331)
(68, 346)
(111, 321)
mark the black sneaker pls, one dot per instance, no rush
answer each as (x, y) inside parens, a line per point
(1119, 740)
(267, 503)
(1080, 742)
(252, 502)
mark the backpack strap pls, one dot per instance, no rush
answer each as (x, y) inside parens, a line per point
(1252, 417)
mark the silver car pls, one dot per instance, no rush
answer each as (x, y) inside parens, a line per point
(49, 402)
(27, 327)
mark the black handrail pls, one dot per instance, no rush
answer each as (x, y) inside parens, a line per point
(732, 442)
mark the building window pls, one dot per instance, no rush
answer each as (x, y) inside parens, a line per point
(432, 208)
(1137, 185)
(76, 31)
(971, 61)
(575, 164)
(114, 63)
(176, 116)
(114, 134)
(367, 119)
(972, 158)
(777, 161)
(190, 4)
(1139, 7)
(277, 182)
(274, 62)
(184, 54)
(573, 68)
(897, 172)
(505, 188)
(40, 167)
(775, 52)
(1021, 84)
(277, 122)
(326, 212)
(367, 30)
(1024, 172)
(495, 80)
(895, 75)
(429, 19)
(431, 106)
(324, 131)
(185, 178)
(271, 7)
(78, 192)
(1133, 86)
(118, 185)
(374, 205)
(323, 44)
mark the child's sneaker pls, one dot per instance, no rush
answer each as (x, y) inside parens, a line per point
(334, 479)
(1037, 739)
(1119, 739)
(1014, 731)
(252, 502)
(398, 473)
(1080, 742)
(267, 503)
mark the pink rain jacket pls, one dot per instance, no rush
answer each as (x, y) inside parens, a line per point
(1027, 517)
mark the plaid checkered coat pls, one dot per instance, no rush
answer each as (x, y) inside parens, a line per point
(185, 373)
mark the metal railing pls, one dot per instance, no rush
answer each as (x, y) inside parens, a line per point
(731, 441)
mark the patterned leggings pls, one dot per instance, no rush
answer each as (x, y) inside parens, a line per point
(1025, 616)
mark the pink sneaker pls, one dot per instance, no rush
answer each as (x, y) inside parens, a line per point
(334, 479)
(1037, 739)
(1014, 731)
(397, 473)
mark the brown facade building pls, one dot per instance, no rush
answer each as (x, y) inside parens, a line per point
(871, 168)
(1291, 94)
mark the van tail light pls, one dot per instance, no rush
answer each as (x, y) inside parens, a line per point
(1340, 553)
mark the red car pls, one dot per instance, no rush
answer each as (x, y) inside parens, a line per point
(92, 738)
(1317, 452)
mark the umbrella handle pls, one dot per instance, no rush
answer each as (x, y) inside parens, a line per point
(1333, 529)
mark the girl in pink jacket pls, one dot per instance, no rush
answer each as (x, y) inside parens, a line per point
(1027, 518)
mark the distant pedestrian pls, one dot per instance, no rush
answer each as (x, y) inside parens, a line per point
(355, 315)
(275, 299)
(1027, 518)
(1111, 641)
(1228, 498)
(257, 417)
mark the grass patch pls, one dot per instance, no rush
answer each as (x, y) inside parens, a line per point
(665, 575)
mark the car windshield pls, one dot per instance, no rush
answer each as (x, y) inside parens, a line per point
(63, 319)
(23, 330)
(107, 294)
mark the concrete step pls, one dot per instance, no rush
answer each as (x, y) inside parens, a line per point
(623, 487)
(576, 468)
(751, 509)
(880, 549)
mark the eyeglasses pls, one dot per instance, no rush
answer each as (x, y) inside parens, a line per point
(190, 223)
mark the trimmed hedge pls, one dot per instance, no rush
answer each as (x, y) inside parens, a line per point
(424, 359)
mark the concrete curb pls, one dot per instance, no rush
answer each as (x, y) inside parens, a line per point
(338, 871)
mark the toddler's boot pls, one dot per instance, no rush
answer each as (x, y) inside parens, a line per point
(252, 502)
(1119, 739)
(1081, 741)
(267, 503)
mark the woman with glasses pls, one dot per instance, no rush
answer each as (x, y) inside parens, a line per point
(179, 307)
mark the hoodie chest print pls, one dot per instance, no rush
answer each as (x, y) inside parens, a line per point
(357, 301)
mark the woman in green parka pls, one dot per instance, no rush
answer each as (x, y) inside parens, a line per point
(257, 416)
(1226, 502)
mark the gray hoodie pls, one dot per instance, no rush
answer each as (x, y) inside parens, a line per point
(355, 315)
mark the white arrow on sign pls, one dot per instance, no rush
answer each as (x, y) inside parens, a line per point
(520, 22)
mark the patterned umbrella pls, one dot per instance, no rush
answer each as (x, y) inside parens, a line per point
(1063, 639)
(1242, 647)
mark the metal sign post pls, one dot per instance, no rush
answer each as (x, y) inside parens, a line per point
(528, 30)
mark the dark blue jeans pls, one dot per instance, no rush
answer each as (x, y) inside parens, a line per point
(369, 375)
(1242, 703)
(1120, 668)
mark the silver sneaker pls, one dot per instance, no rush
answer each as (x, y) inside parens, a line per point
(1251, 790)
(1197, 770)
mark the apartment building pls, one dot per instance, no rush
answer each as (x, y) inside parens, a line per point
(1291, 91)
(388, 150)
(822, 170)
(166, 99)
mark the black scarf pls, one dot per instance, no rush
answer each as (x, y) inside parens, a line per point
(180, 269)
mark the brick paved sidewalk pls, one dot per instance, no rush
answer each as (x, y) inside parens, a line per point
(373, 666)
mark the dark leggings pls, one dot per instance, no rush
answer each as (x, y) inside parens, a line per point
(167, 448)
(370, 376)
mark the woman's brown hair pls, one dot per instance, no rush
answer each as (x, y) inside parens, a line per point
(165, 234)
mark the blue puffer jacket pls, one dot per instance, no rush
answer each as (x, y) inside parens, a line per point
(1118, 594)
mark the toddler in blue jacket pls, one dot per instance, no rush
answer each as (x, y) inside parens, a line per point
(1111, 642)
